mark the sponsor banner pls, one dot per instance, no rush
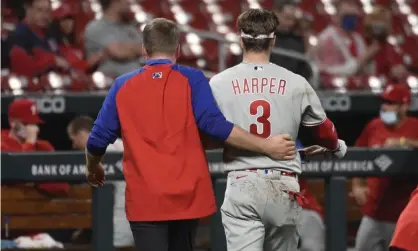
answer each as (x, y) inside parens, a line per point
(50, 104)
(381, 163)
(69, 170)
(70, 166)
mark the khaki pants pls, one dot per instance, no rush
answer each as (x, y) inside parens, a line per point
(258, 214)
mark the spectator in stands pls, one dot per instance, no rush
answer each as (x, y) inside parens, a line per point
(23, 137)
(341, 51)
(116, 37)
(33, 50)
(78, 131)
(383, 199)
(288, 38)
(388, 61)
(63, 30)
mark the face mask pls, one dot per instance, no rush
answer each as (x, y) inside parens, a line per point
(389, 117)
(349, 22)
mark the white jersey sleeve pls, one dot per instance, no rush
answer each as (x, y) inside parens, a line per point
(311, 108)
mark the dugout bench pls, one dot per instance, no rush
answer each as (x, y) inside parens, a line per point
(69, 166)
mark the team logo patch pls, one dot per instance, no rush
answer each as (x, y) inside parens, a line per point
(157, 75)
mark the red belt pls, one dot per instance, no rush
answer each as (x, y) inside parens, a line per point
(301, 200)
(284, 173)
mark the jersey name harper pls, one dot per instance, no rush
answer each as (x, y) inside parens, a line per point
(266, 100)
(259, 86)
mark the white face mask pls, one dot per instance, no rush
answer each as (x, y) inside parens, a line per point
(389, 117)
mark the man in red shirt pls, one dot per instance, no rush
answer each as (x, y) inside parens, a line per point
(388, 61)
(383, 199)
(34, 51)
(23, 133)
(405, 237)
(23, 137)
(158, 110)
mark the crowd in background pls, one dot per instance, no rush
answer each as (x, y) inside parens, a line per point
(351, 45)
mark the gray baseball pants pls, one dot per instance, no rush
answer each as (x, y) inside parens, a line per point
(258, 213)
(312, 231)
(374, 235)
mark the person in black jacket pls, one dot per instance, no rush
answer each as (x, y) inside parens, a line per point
(287, 38)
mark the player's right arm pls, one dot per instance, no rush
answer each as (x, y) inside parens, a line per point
(211, 121)
(314, 117)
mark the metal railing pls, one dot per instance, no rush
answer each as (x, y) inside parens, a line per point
(223, 49)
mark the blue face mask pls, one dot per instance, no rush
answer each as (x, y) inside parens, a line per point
(389, 117)
(349, 22)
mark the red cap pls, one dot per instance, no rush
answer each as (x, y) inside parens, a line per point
(25, 110)
(63, 11)
(397, 93)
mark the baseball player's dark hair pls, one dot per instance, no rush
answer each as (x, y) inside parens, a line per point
(256, 22)
(81, 123)
(161, 36)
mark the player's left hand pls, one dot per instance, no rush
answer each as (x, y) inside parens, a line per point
(95, 175)
(315, 150)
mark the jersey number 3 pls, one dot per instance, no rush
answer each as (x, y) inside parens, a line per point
(263, 119)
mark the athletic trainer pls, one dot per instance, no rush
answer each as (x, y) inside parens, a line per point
(158, 110)
(260, 210)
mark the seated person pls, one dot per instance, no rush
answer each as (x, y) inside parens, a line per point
(23, 137)
(33, 50)
(63, 30)
(387, 62)
(116, 37)
(78, 131)
(341, 51)
(287, 38)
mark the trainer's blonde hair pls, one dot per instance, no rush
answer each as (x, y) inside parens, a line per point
(161, 36)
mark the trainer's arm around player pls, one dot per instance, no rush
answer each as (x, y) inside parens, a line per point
(208, 118)
(207, 115)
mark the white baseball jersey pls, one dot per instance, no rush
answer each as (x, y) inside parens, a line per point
(266, 100)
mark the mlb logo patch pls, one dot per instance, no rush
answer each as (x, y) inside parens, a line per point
(258, 68)
(157, 75)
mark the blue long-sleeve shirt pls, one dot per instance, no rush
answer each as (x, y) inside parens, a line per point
(207, 115)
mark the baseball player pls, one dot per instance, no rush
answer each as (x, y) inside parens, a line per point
(260, 210)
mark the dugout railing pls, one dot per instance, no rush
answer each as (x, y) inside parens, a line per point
(69, 166)
(223, 42)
